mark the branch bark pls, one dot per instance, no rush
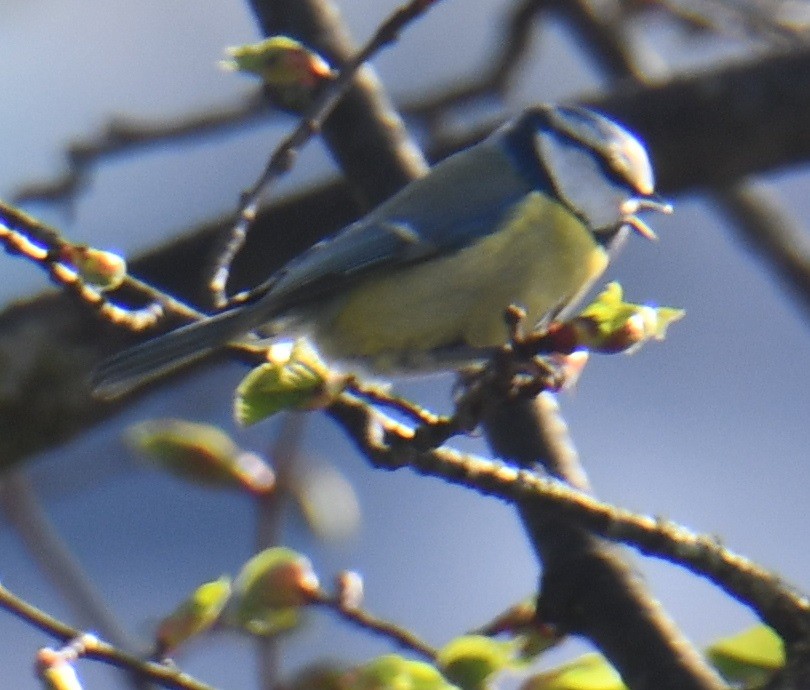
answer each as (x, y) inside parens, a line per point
(364, 132)
(587, 587)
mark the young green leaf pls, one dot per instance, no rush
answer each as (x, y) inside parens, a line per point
(195, 615)
(299, 381)
(610, 325)
(271, 589)
(749, 657)
(395, 672)
(290, 71)
(469, 661)
(202, 453)
(588, 672)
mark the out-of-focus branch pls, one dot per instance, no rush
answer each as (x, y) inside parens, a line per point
(123, 135)
(165, 675)
(495, 77)
(22, 511)
(364, 132)
(749, 18)
(270, 510)
(771, 233)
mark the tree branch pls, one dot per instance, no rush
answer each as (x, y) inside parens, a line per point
(586, 585)
(389, 445)
(122, 135)
(164, 675)
(364, 132)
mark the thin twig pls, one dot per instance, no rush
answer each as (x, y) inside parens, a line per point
(496, 76)
(382, 396)
(520, 616)
(379, 626)
(164, 675)
(310, 124)
(269, 518)
(124, 135)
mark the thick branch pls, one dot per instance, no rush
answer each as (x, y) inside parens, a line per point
(713, 128)
(364, 133)
(586, 585)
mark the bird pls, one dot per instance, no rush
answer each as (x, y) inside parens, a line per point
(528, 216)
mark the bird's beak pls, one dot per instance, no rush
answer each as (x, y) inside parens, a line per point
(630, 207)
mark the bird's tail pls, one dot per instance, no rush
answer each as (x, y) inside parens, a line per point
(134, 367)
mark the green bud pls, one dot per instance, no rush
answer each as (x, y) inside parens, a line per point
(270, 589)
(201, 453)
(195, 615)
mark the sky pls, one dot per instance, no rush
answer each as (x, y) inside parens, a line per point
(708, 429)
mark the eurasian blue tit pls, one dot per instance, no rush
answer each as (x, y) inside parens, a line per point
(527, 217)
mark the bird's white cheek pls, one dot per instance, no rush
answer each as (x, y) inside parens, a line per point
(580, 180)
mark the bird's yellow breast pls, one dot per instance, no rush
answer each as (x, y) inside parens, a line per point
(542, 258)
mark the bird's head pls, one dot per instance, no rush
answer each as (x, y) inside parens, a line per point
(598, 169)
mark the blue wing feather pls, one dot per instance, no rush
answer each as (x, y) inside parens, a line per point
(464, 198)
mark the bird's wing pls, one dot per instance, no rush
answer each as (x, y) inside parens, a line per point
(461, 201)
